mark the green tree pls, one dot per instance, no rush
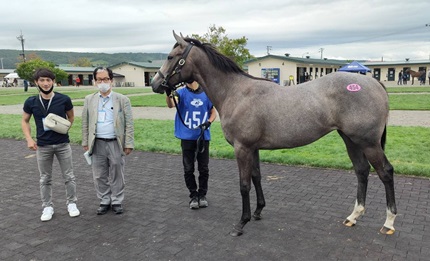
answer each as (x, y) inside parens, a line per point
(27, 69)
(82, 62)
(233, 48)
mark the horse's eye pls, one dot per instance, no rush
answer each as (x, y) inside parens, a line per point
(169, 57)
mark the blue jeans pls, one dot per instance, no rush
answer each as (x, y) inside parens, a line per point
(45, 158)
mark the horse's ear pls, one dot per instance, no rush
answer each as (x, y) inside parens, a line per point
(179, 39)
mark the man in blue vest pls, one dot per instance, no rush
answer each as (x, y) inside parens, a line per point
(193, 119)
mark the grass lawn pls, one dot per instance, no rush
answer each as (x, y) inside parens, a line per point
(406, 148)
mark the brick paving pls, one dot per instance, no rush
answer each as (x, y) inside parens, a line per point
(302, 219)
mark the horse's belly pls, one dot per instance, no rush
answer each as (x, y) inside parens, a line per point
(292, 139)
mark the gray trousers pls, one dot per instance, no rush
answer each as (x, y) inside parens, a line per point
(108, 172)
(45, 159)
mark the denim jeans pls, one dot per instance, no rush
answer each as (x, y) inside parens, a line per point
(45, 158)
(188, 155)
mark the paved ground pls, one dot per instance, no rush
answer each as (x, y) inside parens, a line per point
(302, 220)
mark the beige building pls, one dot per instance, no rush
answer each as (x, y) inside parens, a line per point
(389, 71)
(85, 74)
(126, 74)
(281, 69)
(135, 73)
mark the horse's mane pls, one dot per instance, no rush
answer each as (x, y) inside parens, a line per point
(220, 61)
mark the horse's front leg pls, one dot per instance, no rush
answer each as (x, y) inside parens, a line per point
(244, 157)
(256, 180)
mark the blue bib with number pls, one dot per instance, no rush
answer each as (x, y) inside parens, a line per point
(195, 109)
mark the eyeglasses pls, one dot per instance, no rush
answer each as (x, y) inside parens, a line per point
(106, 80)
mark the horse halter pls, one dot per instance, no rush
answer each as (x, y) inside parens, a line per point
(165, 83)
(178, 67)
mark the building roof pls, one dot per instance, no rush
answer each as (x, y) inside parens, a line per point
(6, 71)
(147, 65)
(76, 69)
(300, 60)
(386, 63)
(309, 60)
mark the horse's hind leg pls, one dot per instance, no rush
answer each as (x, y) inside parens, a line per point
(362, 169)
(385, 172)
(256, 180)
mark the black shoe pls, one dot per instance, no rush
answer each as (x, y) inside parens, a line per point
(103, 209)
(117, 209)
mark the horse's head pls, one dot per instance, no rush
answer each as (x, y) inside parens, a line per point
(175, 70)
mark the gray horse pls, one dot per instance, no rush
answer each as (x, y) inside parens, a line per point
(258, 114)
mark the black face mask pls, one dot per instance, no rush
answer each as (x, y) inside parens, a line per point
(46, 92)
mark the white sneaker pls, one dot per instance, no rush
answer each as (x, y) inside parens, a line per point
(47, 214)
(73, 210)
(203, 202)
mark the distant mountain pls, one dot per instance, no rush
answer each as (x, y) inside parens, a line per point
(10, 58)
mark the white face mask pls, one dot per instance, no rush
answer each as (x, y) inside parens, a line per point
(103, 87)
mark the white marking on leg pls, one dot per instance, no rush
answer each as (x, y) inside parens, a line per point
(356, 213)
(389, 222)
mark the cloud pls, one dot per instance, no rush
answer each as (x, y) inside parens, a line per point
(365, 30)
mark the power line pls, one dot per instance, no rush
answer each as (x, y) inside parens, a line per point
(399, 32)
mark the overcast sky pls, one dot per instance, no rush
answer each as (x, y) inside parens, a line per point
(364, 30)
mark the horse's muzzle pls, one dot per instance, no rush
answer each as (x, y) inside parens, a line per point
(157, 85)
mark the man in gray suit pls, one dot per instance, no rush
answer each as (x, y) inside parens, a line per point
(108, 136)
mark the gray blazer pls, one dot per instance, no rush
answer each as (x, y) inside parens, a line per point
(123, 124)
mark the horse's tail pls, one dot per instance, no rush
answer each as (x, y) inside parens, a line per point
(383, 85)
(384, 137)
(384, 134)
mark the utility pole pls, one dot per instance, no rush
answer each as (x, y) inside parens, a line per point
(428, 25)
(269, 48)
(321, 51)
(1, 63)
(21, 39)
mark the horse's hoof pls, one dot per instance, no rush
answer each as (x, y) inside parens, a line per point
(236, 232)
(387, 231)
(348, 223)
(257, 216)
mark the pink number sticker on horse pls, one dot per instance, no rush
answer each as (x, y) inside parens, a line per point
(353, 87)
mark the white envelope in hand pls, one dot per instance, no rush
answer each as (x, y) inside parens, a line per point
(88, 157)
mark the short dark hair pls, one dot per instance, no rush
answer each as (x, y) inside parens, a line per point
(43, 72)
(98, 69)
